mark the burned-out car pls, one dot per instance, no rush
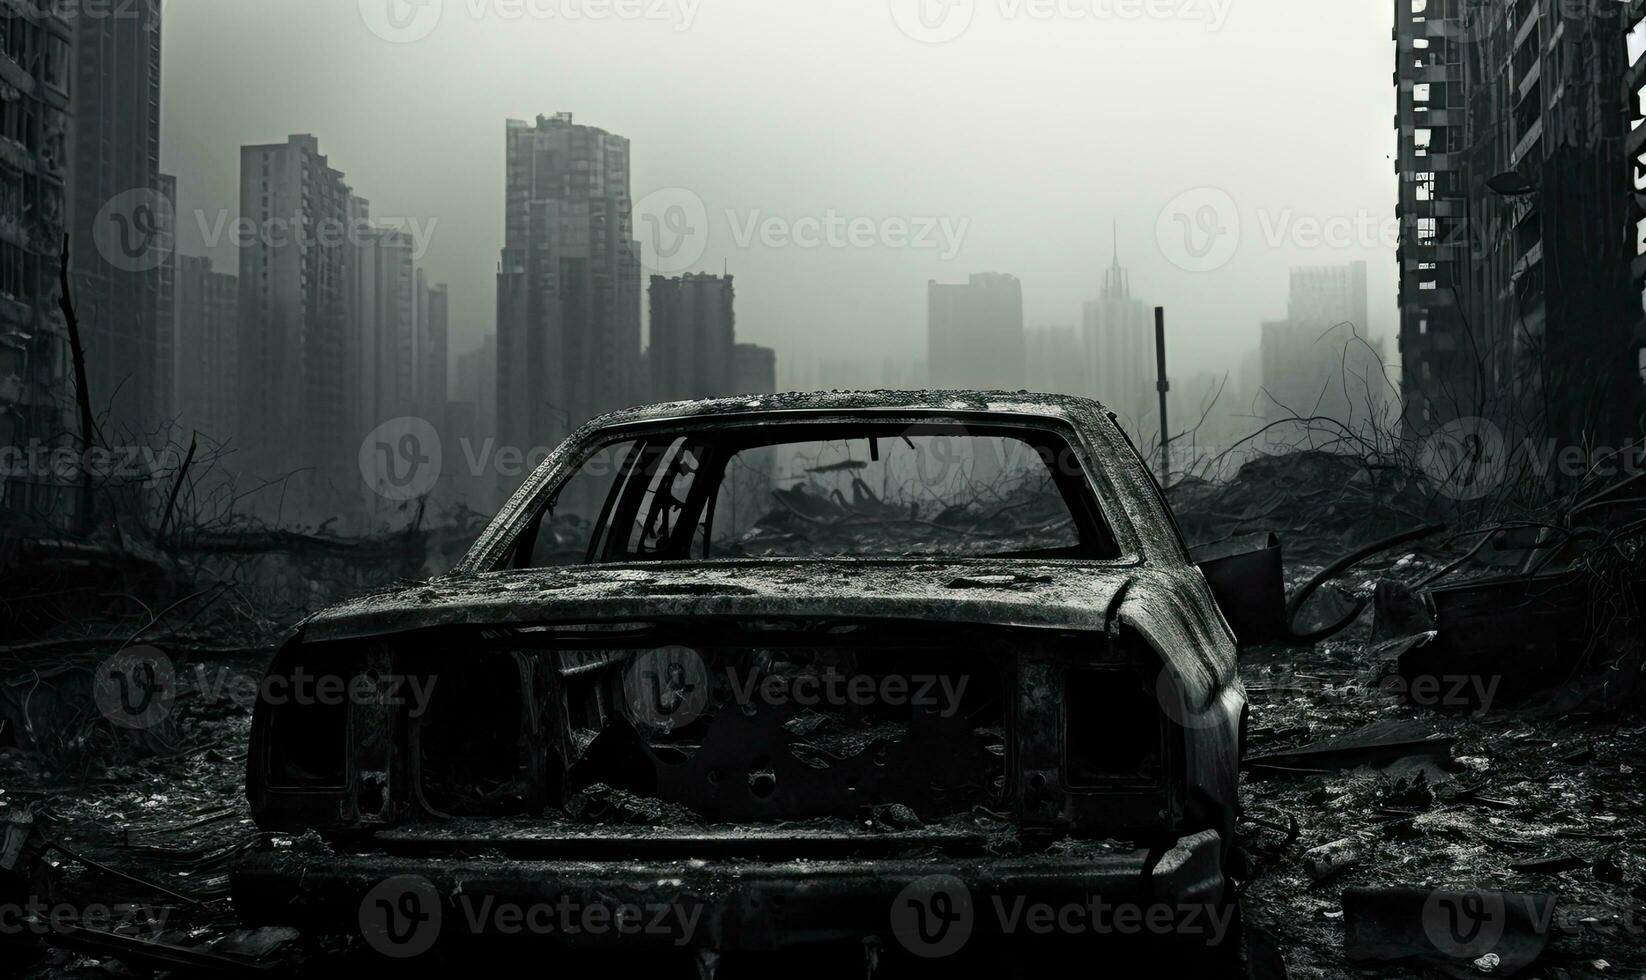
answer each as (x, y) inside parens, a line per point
(777, 660)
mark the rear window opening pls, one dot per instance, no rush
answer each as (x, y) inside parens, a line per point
(822, 491)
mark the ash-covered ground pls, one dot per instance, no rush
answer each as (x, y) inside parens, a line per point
(1456, 785)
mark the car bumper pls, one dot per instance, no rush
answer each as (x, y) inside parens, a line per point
(723, 904)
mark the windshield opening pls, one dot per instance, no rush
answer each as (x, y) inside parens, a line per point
(827, 491)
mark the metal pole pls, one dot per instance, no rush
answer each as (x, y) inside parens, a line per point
(1163, 386)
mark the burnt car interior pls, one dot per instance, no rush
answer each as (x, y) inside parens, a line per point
(554, 719)
(654, 724)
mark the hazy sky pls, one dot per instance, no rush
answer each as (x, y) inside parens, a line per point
(1016, 130)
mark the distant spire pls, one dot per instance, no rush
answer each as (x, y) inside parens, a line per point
(1116, 284)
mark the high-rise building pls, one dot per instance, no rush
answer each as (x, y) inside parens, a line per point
(974, 333)
(847, 375)
(477, 385)
(116, 159)
(1516, 302)
(471, 425)
(36, 383)
(1118, 334)
(294, 312)
(754, 370)
(903, 373)
(433, 348)
(1056, 361)
(383, 363)
(693, 334)
(1329, 296)
(1634, 144)
(165, 303)
(568, 288)
(208, 348)
(1319, 363)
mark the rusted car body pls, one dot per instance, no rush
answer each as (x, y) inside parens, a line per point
(1094, 751)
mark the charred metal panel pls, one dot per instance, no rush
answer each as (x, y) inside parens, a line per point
(738, 904)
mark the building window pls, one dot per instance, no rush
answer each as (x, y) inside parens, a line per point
(14, 37)
(57, 63)
(14, 282)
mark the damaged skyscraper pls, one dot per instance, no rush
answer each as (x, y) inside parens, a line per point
(116, 178)
(36, 396)
(1515, 290)
(568, 289)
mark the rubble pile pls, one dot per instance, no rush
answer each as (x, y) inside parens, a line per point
(1448, 789)
(1470, 741)
(1321, 504)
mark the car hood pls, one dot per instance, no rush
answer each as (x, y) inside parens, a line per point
(1186, 630)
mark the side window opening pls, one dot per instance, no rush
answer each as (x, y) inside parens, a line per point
(564, 533)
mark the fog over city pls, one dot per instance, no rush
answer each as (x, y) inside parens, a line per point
(823, 488)
(1016, 146)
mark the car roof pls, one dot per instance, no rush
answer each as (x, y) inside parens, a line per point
(1019, 403)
